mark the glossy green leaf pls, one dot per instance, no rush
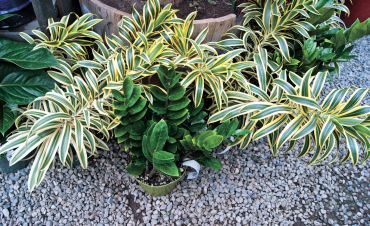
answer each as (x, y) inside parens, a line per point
(163, 157)
(8, 114)
(169, 169)
(21, 87)
(23, 55)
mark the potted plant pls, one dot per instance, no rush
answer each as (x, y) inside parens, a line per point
(259, 77)
(74, 119)
(161, 134)
(218, 15)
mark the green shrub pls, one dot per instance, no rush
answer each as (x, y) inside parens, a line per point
(156, 87)
(160, 135)
(284, 106)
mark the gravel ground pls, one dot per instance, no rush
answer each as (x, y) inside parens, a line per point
(253, 188)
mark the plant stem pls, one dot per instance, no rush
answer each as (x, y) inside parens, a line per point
(152, 173)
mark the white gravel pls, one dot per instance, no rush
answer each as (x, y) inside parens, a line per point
(253, 188)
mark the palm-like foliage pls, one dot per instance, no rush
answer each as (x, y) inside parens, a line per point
(71, 39)
(293, 112)
(66, 122)
(76, 115)
(284, 106)
(72, 119)
(157, 37)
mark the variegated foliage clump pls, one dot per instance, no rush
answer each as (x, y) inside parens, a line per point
(286, 105)
(75, 118)
(252, 79)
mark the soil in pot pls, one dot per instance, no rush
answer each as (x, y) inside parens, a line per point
(205, 8)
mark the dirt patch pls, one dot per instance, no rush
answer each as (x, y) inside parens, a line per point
(134, 207)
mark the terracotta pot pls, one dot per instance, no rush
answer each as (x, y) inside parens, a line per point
(160, 190)
(359, 9)
(217, 26)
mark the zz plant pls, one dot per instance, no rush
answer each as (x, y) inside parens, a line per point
(160, 135)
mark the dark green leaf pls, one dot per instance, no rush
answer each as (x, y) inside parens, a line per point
(212, 163)
(212, 142)
(158, 93)
(22, 87)
(169, 169)
(8, 114)
(134, 96)
(176, 93)
(159, 136)
(136, 168)
(179, 104)
(162, 157)
(23, 55)
(138, 107)
(128, 87)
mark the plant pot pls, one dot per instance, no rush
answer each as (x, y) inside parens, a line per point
(217, 26)
(22, 10)
(5, 168)
(359, 9)
(160, 190)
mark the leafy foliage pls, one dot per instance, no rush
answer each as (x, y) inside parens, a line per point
(164, 128)
(22, 78)
(72, 119)
(130, 108)
(62, 122)
(328, 46)
(8, 114)
(23, 86)
(263, 77)
(283, 106)
(297, 114)
(24, 55)
(66, 37)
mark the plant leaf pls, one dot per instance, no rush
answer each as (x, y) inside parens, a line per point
(8, 114)
(23, 55)
(21, 87)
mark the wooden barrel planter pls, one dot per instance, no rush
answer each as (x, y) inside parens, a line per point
(217, 26)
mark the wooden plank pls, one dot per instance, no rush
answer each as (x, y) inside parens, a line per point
(65, 7)
(44, 9)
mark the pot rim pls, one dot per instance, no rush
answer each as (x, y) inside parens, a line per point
(201, 21)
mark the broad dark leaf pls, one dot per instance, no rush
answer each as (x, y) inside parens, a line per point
(21, 87)
(23, 55)
(163, 157)
(168, 168)
(8, 114)
(7, 68)
(212, 163)
(136, 167)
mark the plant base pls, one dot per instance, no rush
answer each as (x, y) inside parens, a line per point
(160, 190)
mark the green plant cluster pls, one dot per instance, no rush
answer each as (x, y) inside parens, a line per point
(22, 78)
(161, 133)
(168, 96)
